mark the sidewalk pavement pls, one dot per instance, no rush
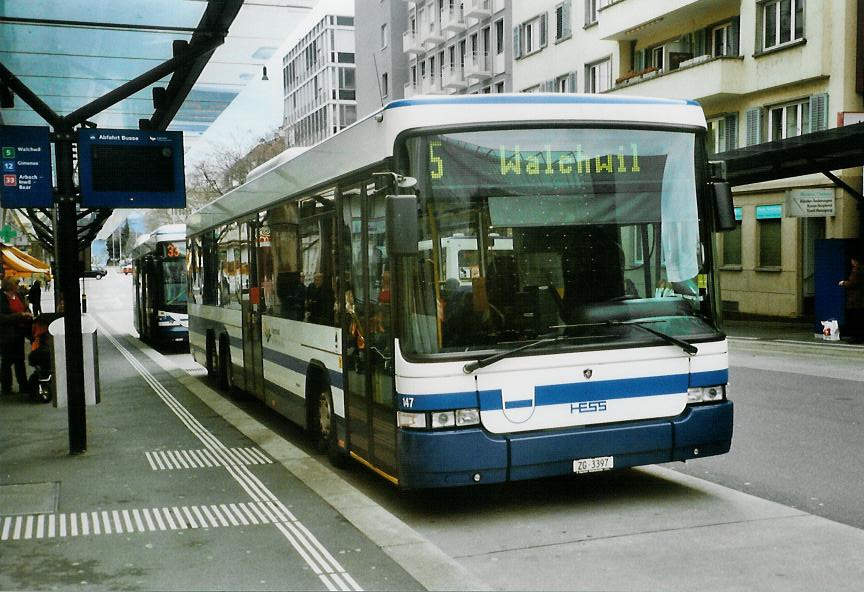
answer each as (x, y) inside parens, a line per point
(793, 336)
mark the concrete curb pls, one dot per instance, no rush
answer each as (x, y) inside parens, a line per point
(834, 350)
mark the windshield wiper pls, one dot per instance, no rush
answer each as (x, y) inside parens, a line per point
(482, 363)
(687, 347)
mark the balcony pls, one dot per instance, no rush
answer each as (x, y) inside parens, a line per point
(410, 43)
(454, 78)
(701, 79)
(478, 66)
(430, 86)
(478, 9)
(625, 21)
(453, 20)
(432, 35)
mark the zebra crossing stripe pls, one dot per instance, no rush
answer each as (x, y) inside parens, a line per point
(168, 460)
(107, 522)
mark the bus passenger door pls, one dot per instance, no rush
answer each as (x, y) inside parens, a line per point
(368, 338)
(250, 305)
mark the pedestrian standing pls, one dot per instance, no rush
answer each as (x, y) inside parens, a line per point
(854, 285)
(15, 320)
(35, 298)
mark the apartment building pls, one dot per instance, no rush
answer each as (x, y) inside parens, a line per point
(382, 66)
(318, 79)
(763, 70)
(458, 47)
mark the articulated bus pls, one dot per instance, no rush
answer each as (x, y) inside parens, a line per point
(159, 278)
(580, 331)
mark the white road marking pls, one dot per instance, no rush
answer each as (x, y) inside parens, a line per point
(167, 460)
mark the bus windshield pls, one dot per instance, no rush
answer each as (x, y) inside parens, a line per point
(531, 233)
(174, 274)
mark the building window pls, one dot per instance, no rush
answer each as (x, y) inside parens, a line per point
(656, 54)
(732, 242)
(530, 36)
(499, 87)
(562, 20)
(721, 40)
(788, 121)
(499, 37)
(769, 219)
(591, 9)
(782, 22)
(598, 76)
(385, 84)
(383, 35)
(722, 134)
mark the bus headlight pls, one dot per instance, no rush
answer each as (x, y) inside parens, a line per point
(443, 419)
(706, 394)
(438, 420)
(467, 417)
(407, 419)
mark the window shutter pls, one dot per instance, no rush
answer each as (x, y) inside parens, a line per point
(566, 28)
(754, 126)
(549, 86)
(700, 43)
(735, 32)
(571, 82)
(588, 20)
(731, 132)
(640, 60)
(819, 112)
(543, 27)
(517, 44)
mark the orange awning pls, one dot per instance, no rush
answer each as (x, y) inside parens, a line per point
(17, 262)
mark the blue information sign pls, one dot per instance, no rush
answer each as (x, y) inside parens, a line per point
(131, 169)
(25, 154)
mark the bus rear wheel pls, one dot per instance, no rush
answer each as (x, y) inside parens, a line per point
(210, 355)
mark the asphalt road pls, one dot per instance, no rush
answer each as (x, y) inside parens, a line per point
(799, 433)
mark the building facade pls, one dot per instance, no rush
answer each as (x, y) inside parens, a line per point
(763, 70)
(319, 82)
(458, 47)
(382, 66)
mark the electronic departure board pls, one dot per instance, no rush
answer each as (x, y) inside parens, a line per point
(131, 169)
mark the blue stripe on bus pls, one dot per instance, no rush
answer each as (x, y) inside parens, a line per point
(710, 378)
(558, 394)
(337, 379)
(531, 98)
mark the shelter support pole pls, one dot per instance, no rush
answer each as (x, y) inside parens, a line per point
(67, 269)
(858, 198)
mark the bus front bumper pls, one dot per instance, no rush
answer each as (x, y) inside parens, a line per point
(474, 456)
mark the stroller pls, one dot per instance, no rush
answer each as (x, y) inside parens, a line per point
(40, 381)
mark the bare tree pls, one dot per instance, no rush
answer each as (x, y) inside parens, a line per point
(226, 167)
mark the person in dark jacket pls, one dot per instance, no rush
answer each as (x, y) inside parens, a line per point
(35, 298)
(15, 320)
(854, 285)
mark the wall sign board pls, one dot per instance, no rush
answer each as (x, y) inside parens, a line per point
(25, 154)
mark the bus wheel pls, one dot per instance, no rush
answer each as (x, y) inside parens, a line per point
(324, 428)
(226, 379)
(210, 355)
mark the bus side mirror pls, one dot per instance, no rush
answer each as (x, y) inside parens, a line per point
(402, 225)
(724, 211)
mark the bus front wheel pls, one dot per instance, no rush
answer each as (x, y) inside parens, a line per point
(324, 428)
(210, 355)
(226, 379)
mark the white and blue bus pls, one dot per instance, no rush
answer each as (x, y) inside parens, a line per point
(583, 331)
(159, 278)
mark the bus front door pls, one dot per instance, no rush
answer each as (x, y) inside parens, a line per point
(368, 337)
(253, 354)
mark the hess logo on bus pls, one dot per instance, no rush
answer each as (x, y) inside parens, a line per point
(588, 407)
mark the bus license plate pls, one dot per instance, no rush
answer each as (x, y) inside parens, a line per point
(592, 465)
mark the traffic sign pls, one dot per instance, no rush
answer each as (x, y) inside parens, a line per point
(25, 153)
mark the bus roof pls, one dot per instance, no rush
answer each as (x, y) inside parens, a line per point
(371, 140)
(146, 243)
